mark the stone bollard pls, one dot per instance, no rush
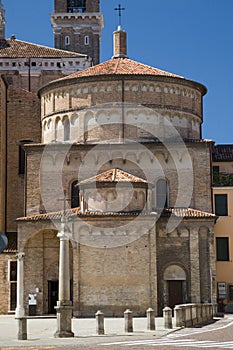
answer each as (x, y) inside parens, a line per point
(128, 316)
(22, 328)
(178, 314)
(99, 316)
(167, 316)
(150, 313)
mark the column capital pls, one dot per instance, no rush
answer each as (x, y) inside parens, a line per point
(20, 255)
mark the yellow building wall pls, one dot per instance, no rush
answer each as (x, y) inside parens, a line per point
(224, 228)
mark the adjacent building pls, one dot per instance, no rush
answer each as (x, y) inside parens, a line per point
(223, 206)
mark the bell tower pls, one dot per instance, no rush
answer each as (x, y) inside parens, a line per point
(2, 21)
(77, 26)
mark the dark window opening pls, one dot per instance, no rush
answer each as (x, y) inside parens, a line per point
(221, 206)
(33, 64)
(76, 6)
(22, 156)
(216, 169)
(13, 271)
(222, 248)
(13, 284)
(75, 195)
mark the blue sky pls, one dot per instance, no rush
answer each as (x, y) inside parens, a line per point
(190, 38)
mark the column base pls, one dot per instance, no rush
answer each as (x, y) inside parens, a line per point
(64, 317)
(63, 334)
(22, 328)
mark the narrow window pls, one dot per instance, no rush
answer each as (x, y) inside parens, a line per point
(67, 40)
(22, 156)
(221, 206)
(161, 194)
(75, 195)
(222, 248)
(13, 284)
(86, 40)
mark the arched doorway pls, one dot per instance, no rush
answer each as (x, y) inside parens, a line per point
(174, 286)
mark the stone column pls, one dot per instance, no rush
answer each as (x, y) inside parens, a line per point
(20, 311)
(64, 305)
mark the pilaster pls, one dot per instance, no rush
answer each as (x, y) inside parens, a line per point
(194, 265)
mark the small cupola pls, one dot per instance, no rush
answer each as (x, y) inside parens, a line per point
(120, 43)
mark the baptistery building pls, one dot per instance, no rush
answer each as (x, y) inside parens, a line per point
(122, 162)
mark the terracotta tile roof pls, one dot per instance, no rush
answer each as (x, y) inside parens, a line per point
(113, 175)
(118, 66)
(12, 48)
(223, 153)
(186, 213)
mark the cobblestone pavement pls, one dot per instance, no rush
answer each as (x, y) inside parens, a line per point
(217, 335)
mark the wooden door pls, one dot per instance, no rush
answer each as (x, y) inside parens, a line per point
(175, 293)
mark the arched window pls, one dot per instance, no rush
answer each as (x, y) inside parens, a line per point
(86, 40)
(66, 130)
(67, 40)
(162, 194)
(74, 195)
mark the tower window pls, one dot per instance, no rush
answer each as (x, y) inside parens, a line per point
(76, 6)
(86, 40)
(67, 40)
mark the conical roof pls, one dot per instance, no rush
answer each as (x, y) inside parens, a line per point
(120, 66)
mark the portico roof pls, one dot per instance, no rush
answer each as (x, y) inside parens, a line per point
(185, 213)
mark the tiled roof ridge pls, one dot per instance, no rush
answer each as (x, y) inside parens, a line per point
(117, 64)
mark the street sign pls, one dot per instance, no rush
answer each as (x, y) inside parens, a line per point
(3, 241)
